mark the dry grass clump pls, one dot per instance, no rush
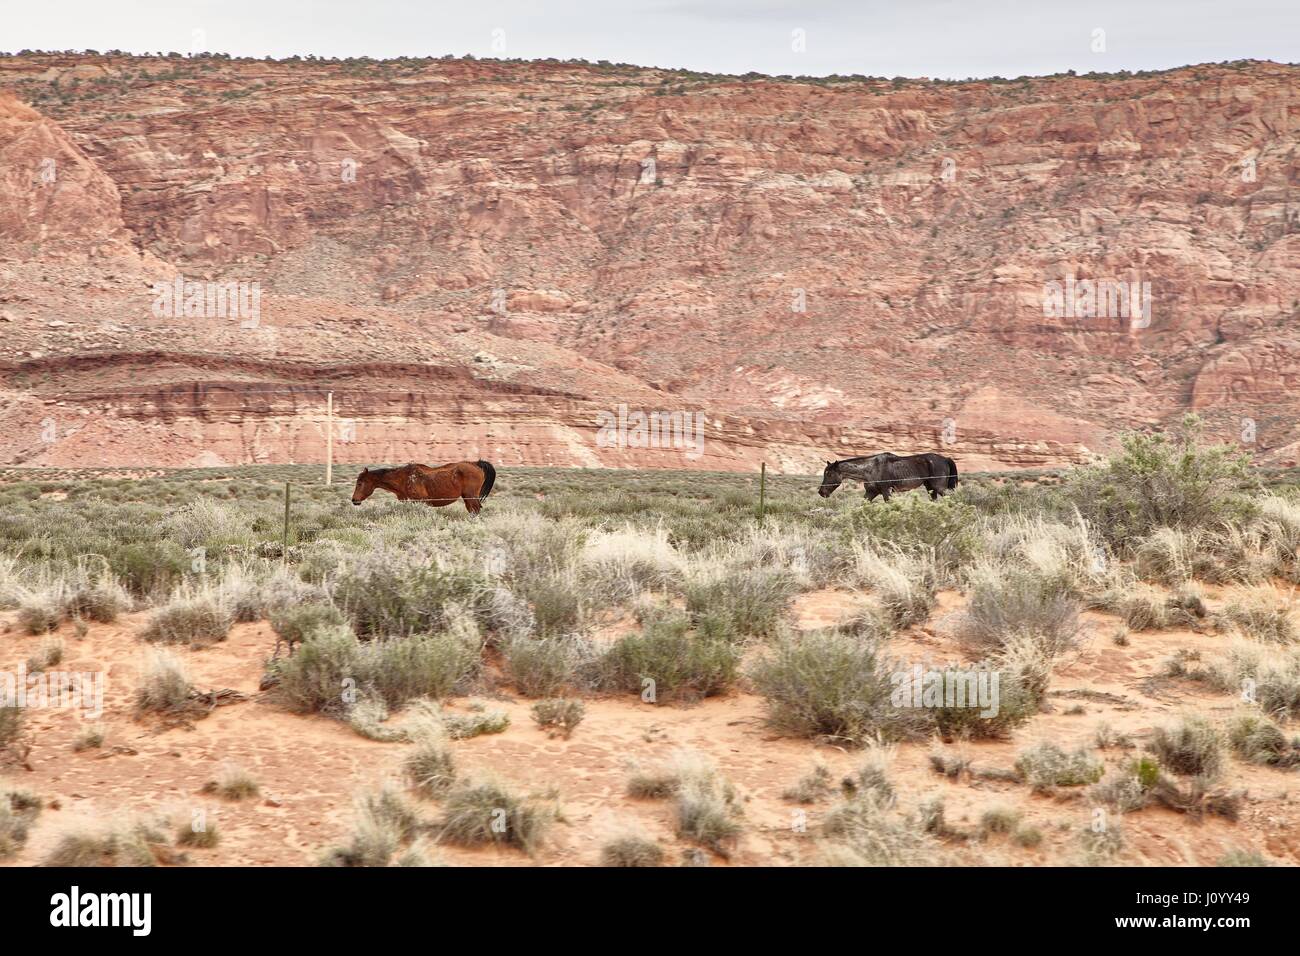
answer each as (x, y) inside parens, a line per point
(199, 838)
(138, 844)
(546, 666)
(631, 850)
(386, 822)
(1260, 615)
(164, 687)
(867, 830)
(1258, 740)
(89, 739)
(196, 621)
(748, 601)
(1045, 766)
(816, 785)
(49, 654)
(559, 715)
(486, 811)
(669, 660)
(831, 685)
(1010, 602)
(464, 726)
(706, 806)
(904, 583)
(18, 811)
(233, 783)
(1192, 747)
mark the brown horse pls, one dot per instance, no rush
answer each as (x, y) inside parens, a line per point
(470, 481)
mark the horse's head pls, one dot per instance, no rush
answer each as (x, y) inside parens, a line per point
(365, 486)
(830, 479)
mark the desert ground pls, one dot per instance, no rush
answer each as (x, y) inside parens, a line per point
(1141, 614)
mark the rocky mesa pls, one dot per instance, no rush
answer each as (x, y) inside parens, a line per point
(488, 258)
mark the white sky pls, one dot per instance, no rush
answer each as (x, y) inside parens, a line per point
(935, 38)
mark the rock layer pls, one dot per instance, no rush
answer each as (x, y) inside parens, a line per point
(484, 257)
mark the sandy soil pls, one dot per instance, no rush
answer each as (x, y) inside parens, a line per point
(311, 768)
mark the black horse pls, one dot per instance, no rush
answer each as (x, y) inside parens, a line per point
(886, 472)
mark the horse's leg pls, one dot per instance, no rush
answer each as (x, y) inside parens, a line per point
(884, 492)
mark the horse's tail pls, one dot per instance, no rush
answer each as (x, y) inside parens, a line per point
(952, 473)
(489, 478)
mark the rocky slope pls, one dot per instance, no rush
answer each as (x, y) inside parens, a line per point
(478, 258)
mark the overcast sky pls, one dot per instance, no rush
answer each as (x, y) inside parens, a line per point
(935, 38)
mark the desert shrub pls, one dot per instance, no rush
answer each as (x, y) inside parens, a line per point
(1168, 556)
(1192, 747)
(39, 614)
(1271, 674)
(557, 603)
(164, 688)
(1259, 614)
(904, 584)
(199, 839)
(385, 821)
(368, 716)
(811, 788)
(827, 684)
(430, 764)
(1100, 843)
(484, 811)
(559, 715)
(1001, 820)
(1160, 481)
(464, 726)
(138, 844)
(47, 655)
(627, 561)
(18, 811)
(1046, 765)
(1198, 798)
(389, 594)
(233, 783)
(866, 831)
(148, 568)
(1258, 740)
(544, 666)
(1023, 670)
(1009, 602)
(196, 621)
(89, 739)
(1240, 857)
(100, 601)
(705, 805)
(631, 850)
(944, 531)
(682, 664)
(210, 524)
(752, 600)
(313, 678)
(425, 665)
(293, 624)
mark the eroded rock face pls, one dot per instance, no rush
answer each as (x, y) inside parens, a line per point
(485, 257)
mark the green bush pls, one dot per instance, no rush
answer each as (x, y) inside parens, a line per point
(1161, 481)
(681, 663)
(196, 621)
